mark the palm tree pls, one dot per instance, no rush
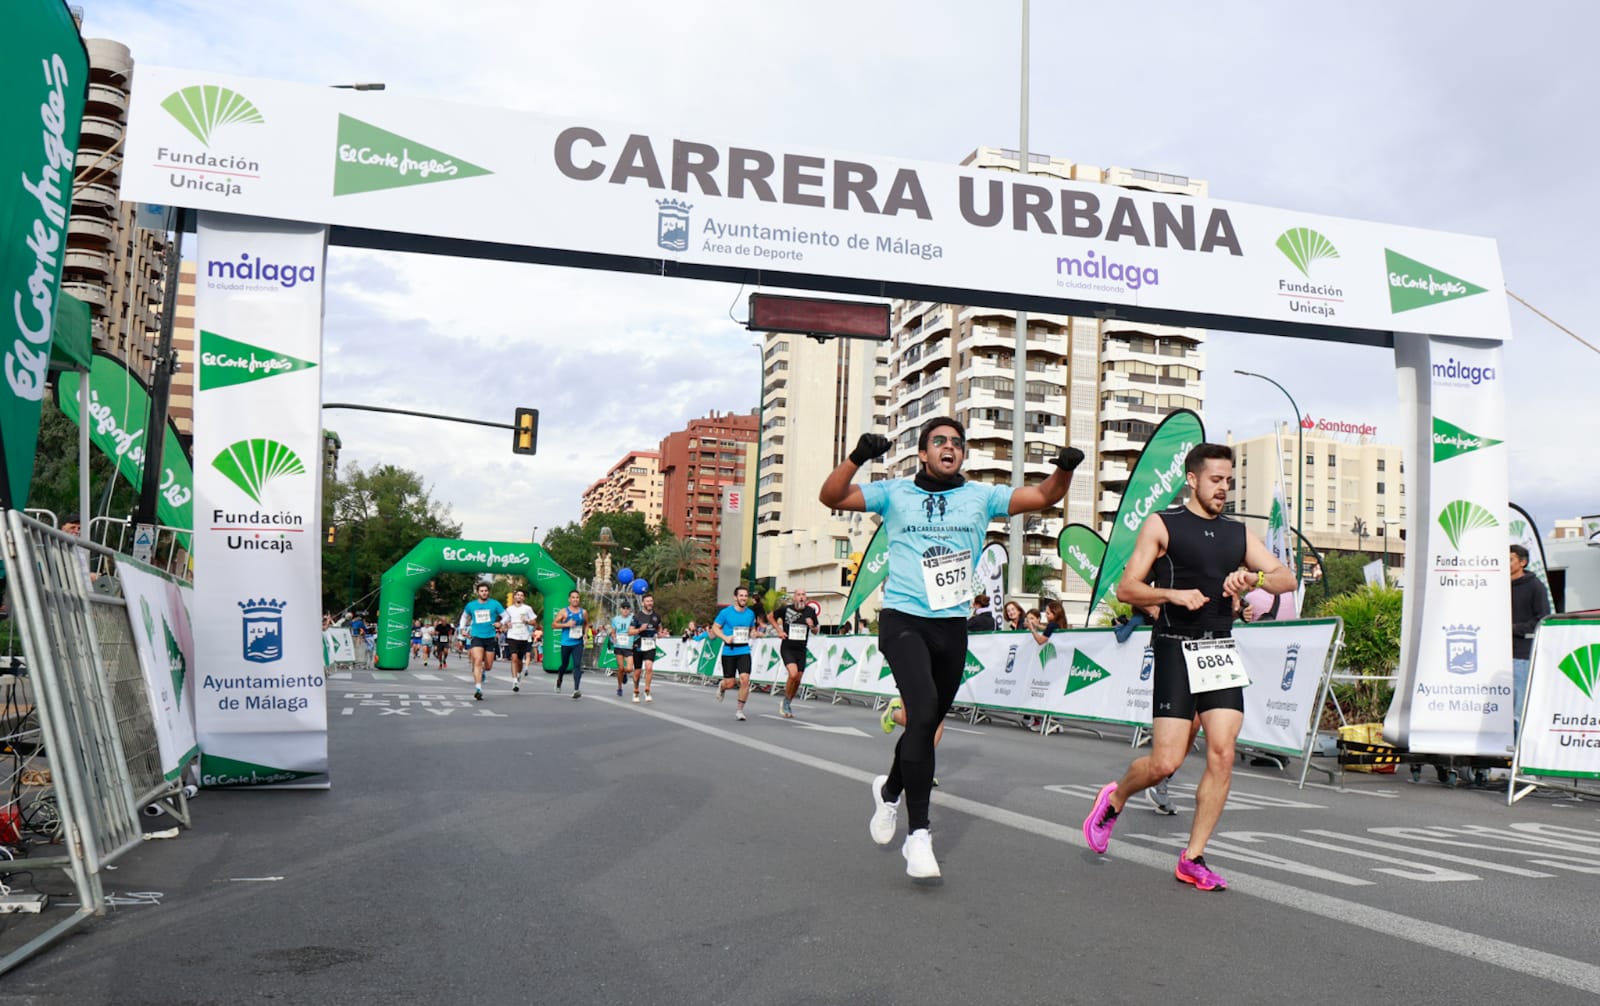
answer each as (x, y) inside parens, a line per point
(679, 558)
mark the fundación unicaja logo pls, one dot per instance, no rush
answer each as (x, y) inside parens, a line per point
(1461, 649)
(1461, 517)
(672, 225)
(370, 158)
(1413, 284)
(225, 362)
(1451, 441)
(1582, 667)
(253, 464)
(263, 630)
(204, 108)
(1304, 247)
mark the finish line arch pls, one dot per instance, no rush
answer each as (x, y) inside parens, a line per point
(398, 588)
(280, 170)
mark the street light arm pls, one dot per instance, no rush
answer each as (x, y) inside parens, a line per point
(1299, 465)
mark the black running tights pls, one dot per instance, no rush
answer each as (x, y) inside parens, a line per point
(926, 656)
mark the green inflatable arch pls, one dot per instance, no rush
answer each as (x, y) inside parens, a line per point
(398, 593)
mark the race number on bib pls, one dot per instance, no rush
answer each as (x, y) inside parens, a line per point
(947, 579)
(797, 633)
(481, 616)
(741, 635)
(1213, 664)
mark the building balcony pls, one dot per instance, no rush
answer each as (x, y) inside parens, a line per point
(109, 61)
(90, 263)
(99, 133)
(92, 294)
(88, 232)
(98, 199)
(1111, 441)
(106, 101)
(1112, 472)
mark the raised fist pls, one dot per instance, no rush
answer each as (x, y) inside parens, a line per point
(1069, 459)
(873, 445)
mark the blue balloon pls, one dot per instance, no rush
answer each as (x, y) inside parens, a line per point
(624, 575)
(640, 586)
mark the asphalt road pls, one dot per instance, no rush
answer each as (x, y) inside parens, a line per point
(536, 849)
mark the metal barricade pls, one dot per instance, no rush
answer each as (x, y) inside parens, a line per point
(50, 594)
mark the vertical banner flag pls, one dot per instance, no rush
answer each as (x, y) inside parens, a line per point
(260, 704)
(1454, 693)
(874, 569)
(991, 577)
(1559, 731)
(1525, 532)
(1156, 480)
(1082, 550)
(119, 411)
(1278, 542)
(44, 76)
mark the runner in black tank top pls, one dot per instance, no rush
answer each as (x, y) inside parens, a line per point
(1192, 562)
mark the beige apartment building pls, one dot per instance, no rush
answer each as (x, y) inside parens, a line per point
(112, 264)
(817, 399)
(632, 485)
(1348, 478)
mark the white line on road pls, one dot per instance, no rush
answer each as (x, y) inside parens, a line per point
(1501, 953)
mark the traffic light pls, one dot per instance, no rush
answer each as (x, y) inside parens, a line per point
(852, 567)
(333, 532)
(525, 436)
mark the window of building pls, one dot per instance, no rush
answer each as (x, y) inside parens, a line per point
(1332, 461)
(1311, 460)
(841, 548)
(1380, 464)
(1311, 506)
(1333, 508)
(1380, 488)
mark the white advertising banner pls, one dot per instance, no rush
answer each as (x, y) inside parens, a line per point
(261, 707)
(1454, 694)
(338, 647)
(724, 207)
(165, 645)
(1561, 728)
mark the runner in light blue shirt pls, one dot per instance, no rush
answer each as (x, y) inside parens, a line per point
(734, 625)
(936, 523)
(482, 617)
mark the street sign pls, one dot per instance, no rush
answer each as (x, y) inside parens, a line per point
(144, 542)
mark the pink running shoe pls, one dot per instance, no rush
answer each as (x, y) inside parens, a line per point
(1195, 871)
(1097, 827)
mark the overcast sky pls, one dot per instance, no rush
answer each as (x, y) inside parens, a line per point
(1468, 117)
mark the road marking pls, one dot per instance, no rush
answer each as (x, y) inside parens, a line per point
(426, 677)
(1480, 864)
(1405, 869)
(1238, 800)
(1529, 961)
(846, 731)
(382, 676)
(965, 730)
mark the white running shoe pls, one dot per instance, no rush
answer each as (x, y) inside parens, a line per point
(918, 851)
(635, 698)
(739, 715)
(884, 815)
(648, 697)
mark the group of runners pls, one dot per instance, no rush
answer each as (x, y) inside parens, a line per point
(1189, 566)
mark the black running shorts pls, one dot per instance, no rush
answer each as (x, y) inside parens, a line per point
(734, 665)
(1171, 696)
(518, 647)
(483, 643)
(793, 653)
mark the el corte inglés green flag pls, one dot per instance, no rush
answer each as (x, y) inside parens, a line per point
(1082, 550)
(874, 569)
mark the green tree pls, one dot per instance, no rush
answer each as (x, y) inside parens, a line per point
(672, 560)
(55, 471)
(1371, 617)
(679, 602)
(1033, 576)
(380, 513)
(1341, 573)
(572, 545)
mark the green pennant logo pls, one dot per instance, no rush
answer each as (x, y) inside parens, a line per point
(1085, 672)
(1450, 440)
(219, 771)
(1413, 285)
(708, 657)
(225, 362)
(846, 661)
(971, 669)
(175, 663)
(370, 159)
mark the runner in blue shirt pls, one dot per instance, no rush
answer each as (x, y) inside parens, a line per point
(935, 525)
(482, 617)
(569, 621)
(622, 643)
(734, 625)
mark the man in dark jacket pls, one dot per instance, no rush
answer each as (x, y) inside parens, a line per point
(1528, 605)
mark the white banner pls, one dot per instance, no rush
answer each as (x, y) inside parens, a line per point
(165, 645)
(338, 647)
(261, 705)
(1561, 729)
(722, 207)
(1455, 691)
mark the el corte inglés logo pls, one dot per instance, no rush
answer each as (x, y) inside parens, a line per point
(1413, 285)
(204, 108)
(225, 362)
(1084, 673)
(971, 668)
(371, 158)
(1450, 440)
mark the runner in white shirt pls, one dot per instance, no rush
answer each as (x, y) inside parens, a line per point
(519, 621)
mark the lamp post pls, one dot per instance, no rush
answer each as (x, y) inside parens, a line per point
(1019, 370)
(1299, 468)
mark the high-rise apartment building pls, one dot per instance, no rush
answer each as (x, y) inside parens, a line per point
(697, 463)
(817, 399)
(1100, 385)
(1348, 479)
(632, 485)
(180, 407)
(112, 264)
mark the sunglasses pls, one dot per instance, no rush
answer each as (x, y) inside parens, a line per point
(939, 440)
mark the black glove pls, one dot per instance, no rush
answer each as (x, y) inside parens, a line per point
(875, 445)
(1069, 459)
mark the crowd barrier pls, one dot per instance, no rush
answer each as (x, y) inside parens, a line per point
(338, 648)
(1078, 676)
(1559, 742)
